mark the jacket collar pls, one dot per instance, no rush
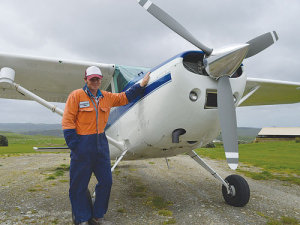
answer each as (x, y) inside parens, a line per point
(87, 91)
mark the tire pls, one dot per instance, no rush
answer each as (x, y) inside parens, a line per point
(242, 191)
(88, 194)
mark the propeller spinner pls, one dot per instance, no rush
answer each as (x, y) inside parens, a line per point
(220, 64)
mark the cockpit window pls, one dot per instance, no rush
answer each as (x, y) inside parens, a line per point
(124, 74)
(109, 88)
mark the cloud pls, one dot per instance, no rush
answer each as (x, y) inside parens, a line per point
(122, 32)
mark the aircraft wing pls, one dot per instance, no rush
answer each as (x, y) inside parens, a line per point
(51, 79)
(270, 92)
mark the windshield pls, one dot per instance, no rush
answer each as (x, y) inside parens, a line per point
(124, 74)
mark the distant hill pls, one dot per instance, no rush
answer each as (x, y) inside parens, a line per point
(33, 129)
(247, 132)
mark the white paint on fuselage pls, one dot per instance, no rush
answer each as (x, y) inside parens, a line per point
(149, 124)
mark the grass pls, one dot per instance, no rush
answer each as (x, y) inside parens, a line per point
(165, 213)
(32, 190)
(158, 202)
(63, 181)
(140, 191)
(59, 172)
(121, 210)
(117, 172)
(51, 177)
(289, 220)
(283, 221)
(22, 144)
(277, 160)
(170, 221)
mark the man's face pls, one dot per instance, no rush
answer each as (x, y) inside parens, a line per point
(93, 84)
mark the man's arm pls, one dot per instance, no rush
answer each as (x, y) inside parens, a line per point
(145, 80)
(137, 89)
(123, 98)
(68, 122)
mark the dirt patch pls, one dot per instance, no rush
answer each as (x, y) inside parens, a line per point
(187, 192)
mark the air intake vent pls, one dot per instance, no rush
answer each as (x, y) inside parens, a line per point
(211, 99)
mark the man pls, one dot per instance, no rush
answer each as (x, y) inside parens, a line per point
(85, 117)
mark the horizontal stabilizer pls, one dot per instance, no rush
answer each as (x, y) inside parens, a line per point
(51, 148)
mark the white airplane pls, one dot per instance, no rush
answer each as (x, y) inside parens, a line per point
(189, 99)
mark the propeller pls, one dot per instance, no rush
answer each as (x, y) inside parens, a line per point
(227, 118)
(220, 64)
(166, 19)
(261, 42)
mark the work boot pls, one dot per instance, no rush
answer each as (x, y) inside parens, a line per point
(84, 223)
(100, 221)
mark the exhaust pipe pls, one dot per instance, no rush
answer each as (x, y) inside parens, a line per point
(176, 133)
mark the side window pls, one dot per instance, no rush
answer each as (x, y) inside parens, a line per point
(123, 75)
(119, 81)
(109, 88)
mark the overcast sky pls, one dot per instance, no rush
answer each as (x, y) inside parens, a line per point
(122, 32)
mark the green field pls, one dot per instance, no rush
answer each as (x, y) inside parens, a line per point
(21, 144)
(277, 160)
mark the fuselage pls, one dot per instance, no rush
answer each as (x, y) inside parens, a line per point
(179, 95)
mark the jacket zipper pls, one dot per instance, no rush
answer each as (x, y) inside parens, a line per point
(96, 109)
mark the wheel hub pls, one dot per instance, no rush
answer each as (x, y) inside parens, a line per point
(231, 191)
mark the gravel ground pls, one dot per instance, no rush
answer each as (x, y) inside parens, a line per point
(192, 194)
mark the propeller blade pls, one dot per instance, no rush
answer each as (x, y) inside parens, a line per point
(227, 117)
(261, 42)
(166, 19)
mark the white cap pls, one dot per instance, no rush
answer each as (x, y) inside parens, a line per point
(93, 71)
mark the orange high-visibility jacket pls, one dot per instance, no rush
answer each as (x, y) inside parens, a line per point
(80, 113)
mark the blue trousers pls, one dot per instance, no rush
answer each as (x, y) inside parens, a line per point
(84, 162)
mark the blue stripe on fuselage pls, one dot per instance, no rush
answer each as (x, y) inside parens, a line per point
(118, 112)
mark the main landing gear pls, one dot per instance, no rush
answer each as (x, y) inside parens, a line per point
(235, 189)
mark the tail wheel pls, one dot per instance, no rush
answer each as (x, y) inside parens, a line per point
(240, 191)
(88, 194)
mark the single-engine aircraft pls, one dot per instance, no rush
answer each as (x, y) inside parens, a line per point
(189, 99)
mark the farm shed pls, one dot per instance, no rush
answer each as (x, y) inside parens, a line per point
(278, 133)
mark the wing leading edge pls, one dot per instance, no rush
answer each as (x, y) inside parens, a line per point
(270, 92)
(51, 79)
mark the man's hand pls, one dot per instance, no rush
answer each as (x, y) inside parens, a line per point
(145, 80)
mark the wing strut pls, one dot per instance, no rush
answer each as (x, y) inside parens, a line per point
(119, 160)
(7, 76)
(253, 90)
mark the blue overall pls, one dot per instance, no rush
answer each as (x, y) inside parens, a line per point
(90, 154)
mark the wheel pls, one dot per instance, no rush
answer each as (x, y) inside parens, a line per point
(240, 194)
(88, 194)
